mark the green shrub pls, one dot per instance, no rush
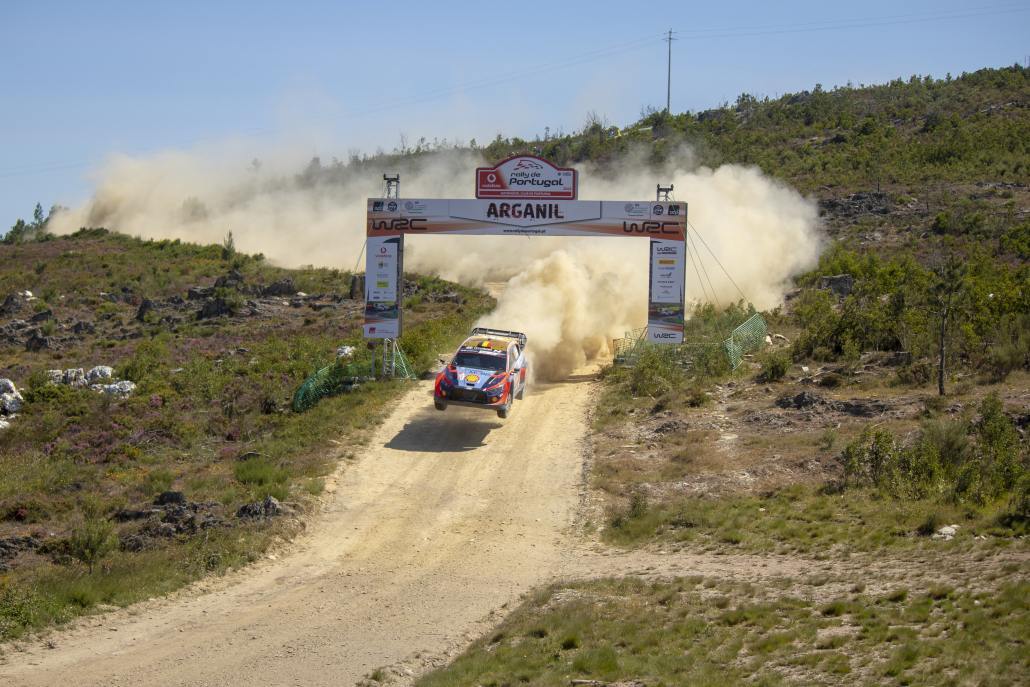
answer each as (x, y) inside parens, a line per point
(1006, 357)
(17, 610)
(260, 471)
(148, 361)
(916, 373)
(943, 460)
(91, 541)
(655, 372)
(947, 441)
(774, 366)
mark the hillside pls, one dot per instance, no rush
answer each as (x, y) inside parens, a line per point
(154, 477)
(870, 504)
(848, 505)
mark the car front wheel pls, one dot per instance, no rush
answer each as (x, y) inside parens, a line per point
(440, 405)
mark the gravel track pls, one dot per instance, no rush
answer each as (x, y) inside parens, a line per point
(444, 519)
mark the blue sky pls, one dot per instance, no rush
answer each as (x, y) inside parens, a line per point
(82, 81)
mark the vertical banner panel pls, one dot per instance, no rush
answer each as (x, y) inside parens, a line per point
(384, 288)
(665, 308)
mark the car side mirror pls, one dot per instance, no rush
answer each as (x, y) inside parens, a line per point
(442, 361)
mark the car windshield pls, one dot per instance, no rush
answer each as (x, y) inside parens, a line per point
(479, 361)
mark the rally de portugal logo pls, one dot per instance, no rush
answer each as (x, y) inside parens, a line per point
(526, 176)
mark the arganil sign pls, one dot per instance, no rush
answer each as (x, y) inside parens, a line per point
(525, 196)
(526, 176)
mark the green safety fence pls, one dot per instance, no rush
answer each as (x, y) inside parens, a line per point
(347, 374)
(747, 337)
(628, 348)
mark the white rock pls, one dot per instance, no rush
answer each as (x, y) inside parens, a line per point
(7, 386)
(804, 368)
(4, 424)
(27, 295)
(10, 403)
(75, 376)
(344, 351)
(55, 376)
(946, 532)
(98, 373)
(122, 388)
(768, 339)
(301, 294)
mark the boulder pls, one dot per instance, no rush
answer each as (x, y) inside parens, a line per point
(268, 508)
(170, 498)
(12, 546)
(121, 389)
(75, 376)
(55, 376)
(232, 280)
(99, 373)
(215, 307)
(4, 424)
(145, 307)
(840, 284)
(7, 386)
(196, 293)
(83, 328)
(10, 403)
(38, 342)
(12, 304)
(805, 399)
(42, 316)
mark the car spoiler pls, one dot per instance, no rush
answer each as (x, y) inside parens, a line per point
(502, 332)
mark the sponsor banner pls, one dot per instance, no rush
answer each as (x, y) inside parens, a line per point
(527, 218)
(383, 288)
(664, 223)
(526, 176)
(667, 271)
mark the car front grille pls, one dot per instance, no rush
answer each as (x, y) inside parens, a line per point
(469, 395)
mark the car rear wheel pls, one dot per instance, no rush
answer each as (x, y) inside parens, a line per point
(440, 405)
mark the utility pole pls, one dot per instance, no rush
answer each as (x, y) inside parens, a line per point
(668, 75)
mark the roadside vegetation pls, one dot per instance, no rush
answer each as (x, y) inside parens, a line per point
(710, 631)
(876, 442)
(884, 423)
(106, 499)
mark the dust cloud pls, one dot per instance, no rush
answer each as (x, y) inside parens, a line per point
(570, 295)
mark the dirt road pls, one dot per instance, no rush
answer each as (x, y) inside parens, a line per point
(443, 520)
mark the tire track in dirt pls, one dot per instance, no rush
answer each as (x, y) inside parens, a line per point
(446, 518)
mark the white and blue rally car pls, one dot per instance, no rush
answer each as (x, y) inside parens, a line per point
(488, 371)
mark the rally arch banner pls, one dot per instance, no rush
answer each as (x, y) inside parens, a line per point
(391, 219)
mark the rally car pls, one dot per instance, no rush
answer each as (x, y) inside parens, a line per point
(488, 371)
